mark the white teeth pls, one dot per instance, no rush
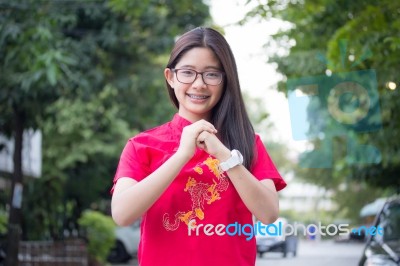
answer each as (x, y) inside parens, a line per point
(197, 96)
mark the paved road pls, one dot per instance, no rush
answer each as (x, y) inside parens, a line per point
(326, 253)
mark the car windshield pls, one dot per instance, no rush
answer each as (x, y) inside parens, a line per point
(390, 221)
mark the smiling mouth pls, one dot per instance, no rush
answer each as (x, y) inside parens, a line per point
(198, 97)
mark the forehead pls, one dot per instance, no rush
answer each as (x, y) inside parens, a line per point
(199, 58)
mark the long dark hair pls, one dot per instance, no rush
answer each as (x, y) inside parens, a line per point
(229, 116)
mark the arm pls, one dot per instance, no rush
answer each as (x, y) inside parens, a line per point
(131, 198)
(260, 197)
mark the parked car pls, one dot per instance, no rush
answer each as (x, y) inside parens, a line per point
(126, 245)
(280, 243)
(384, 249)
(357, 234)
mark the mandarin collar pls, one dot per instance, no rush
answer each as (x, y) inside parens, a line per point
(180, 122)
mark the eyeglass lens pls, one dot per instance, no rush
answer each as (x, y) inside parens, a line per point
(189, 76)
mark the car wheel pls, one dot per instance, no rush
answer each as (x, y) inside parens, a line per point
(118, 253)
(260, 254)
(284, 250)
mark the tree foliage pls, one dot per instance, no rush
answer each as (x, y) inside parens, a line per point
(324, 38)
(88, 74)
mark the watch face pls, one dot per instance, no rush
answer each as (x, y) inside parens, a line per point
(235, 159)
(239, 156)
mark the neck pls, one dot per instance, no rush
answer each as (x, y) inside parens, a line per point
(194, 117)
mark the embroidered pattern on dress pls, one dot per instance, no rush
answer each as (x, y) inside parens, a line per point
(200, 193)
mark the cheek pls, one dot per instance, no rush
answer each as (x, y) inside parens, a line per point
(219, 93)
(179, 91)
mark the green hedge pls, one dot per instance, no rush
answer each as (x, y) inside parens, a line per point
(100, 233)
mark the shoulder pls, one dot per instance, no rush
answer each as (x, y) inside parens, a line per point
(258, 141)
(153, 131)
(158, 133)
(260, 148)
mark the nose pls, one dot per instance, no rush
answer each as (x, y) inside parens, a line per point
(197, 83)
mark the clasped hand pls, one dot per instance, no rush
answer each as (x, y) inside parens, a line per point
(201, 134)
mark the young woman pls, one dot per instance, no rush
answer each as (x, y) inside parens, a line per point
(197, 178)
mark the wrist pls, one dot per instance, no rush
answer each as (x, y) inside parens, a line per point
(223, 155)
(235, 159)
(182, 156)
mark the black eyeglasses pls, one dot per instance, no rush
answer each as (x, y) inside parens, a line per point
(188, 76)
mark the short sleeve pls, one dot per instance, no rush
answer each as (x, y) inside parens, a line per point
(132, 162)
(264, 168)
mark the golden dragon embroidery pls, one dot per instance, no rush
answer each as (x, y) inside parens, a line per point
(199, 192)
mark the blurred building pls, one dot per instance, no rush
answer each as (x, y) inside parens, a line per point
(305, 197)
(31, 154)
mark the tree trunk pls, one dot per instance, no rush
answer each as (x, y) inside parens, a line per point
(14, 220)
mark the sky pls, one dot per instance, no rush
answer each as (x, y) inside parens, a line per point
(257, 77)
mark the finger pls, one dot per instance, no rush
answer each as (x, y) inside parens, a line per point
(201, 138)
(201, 141)
(204, 139)
(208, 125)
(209, 128)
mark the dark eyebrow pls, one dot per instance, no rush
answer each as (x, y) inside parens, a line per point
(208, 68)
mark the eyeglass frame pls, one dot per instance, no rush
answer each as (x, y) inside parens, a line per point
(175, 70)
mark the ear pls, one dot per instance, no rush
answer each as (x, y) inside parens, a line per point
(169, 76)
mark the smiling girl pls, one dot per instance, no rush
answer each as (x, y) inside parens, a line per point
(205, 166)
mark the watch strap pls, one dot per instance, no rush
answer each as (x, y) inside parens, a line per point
(235, 159)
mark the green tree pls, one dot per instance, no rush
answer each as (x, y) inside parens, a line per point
(88, 74)
(325, 37)
(36, 63)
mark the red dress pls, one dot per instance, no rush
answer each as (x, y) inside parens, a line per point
(185, 226)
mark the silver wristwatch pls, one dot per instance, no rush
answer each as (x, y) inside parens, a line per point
(235, 159)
